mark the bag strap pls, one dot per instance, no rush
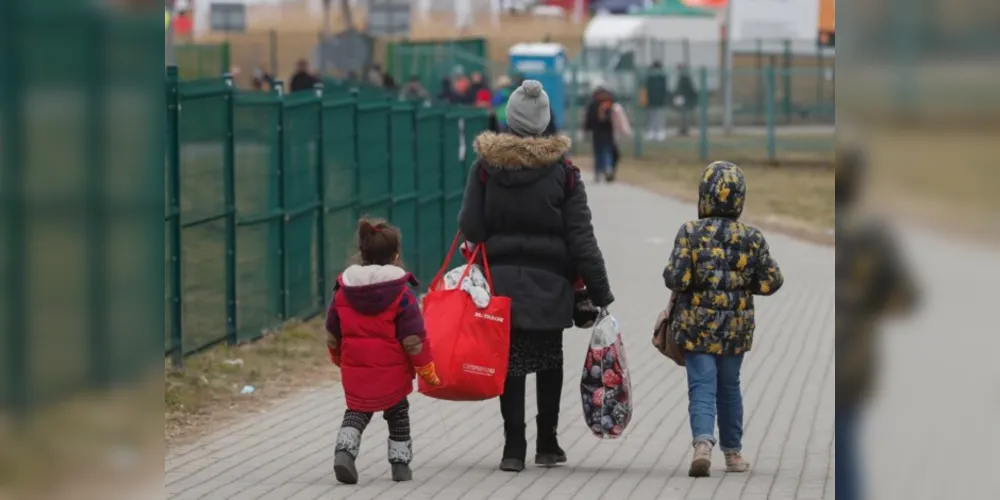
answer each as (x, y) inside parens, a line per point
(479, 249)
(447, 259)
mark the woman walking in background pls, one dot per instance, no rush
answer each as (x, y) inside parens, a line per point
(537, 229)
(599, 122)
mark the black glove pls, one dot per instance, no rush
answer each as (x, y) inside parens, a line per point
(584, 311)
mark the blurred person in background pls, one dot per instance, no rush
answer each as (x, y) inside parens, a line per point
(414, 90)
(599, 122)
(477, 83)
(657, 97)
(261, 77)
(462, 90)
(685, 96)
(375, 76)
(446, 93)
(501, 93)
(389, 83)
(871, 283)
(303, 78)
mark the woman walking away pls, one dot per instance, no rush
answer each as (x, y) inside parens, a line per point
(376, 336)
(526, 202)
(600, 123)
(717, 265)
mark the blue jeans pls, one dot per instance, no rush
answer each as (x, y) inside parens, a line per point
(848, 469)
(714, 384)
(604, 158)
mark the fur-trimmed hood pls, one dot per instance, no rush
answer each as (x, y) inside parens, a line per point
(371, 289)
(511, 152)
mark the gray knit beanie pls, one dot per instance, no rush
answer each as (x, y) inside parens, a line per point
(528, 109)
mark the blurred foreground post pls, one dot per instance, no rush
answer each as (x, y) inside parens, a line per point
(175, 313)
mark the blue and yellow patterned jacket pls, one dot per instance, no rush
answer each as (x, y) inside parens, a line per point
(717, 265)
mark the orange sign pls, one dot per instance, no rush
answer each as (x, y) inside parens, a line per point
(710, 4)
(827, 16)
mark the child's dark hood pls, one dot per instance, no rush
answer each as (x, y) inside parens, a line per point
(372, 289)
(517, 161)
(722, 191)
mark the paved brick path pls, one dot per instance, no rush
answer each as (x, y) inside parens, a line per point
(287, 453)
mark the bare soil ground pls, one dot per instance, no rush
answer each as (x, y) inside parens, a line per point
(207, 392)
(797, 200)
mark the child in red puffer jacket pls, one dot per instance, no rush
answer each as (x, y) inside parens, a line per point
(377, 338)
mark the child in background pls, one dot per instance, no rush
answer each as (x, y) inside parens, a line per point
(376, 336)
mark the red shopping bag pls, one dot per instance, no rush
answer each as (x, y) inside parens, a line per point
(471, 345)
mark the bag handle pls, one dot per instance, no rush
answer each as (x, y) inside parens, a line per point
(479, 249)
(447, 259)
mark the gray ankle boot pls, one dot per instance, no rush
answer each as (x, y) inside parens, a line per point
(400, 454)
(348, 446)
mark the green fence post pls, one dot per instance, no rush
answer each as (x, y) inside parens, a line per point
(174, 217)
(356, 177)
(229, 199)
(819, 79)
(393, 197)
(96, 216)
(759, 82)
(769, 91)
(321, 200)
(703, 113)
(573, 107)
(279, 89)
(786, 103)
(640, 80)
(226, 62)
(14, 331)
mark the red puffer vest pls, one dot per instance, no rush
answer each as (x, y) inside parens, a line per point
(375, 370)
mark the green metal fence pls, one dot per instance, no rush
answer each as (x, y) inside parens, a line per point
(778, 124)
(431, 61)
(264, 191)
(202, 60)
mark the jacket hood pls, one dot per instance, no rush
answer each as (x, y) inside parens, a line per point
(372, 289)
(722, 191)
(511, 152)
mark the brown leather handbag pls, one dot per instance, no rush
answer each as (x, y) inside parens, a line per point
(663, 337)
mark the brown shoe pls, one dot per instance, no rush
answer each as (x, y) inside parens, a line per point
(735, 462)
(701, 464)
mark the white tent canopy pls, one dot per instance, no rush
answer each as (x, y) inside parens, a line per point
(610, 30)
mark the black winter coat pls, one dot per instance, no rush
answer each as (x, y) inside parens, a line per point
(537, 230)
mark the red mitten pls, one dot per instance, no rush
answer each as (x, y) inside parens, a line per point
(334, 354)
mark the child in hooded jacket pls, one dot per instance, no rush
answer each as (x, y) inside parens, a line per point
(376, 336)
(717, 266)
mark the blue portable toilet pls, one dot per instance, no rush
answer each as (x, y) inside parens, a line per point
(546, 63)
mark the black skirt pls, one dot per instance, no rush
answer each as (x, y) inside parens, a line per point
(532, 351)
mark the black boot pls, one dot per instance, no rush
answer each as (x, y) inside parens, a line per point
(549, 393)
(515, 447)
(547, 450)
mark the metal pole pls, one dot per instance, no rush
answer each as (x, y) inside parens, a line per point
(727, 71)
(171, 55)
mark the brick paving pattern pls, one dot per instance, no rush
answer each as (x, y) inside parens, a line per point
(286, 453)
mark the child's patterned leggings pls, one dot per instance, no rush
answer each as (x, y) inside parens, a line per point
(398, 417)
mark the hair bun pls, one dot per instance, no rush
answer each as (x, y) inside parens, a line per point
(532, 88)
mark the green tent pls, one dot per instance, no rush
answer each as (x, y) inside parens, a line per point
(675, 8)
